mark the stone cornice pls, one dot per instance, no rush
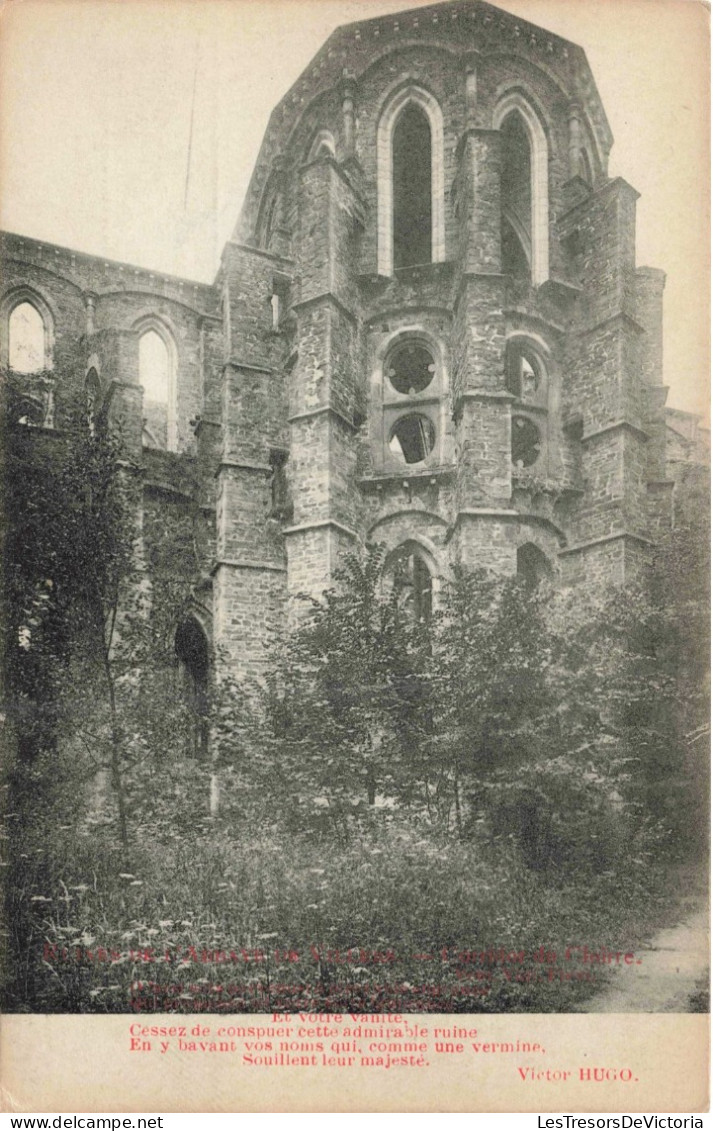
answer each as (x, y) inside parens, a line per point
(508, 515)
(265, 370)
(320, 524)
(430, 475)
(397, 309)
(261, 252)
(325, 296)
(47, 255)
(610, 187)
(246, 563)
(244, 465)
(617, 536)
(324, 410)
(614, 427)
(491, 276)
(484, 395)
(485, 512)
(331, 161)
(618, 316)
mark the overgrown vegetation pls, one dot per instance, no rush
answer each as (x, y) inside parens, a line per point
(409, 811)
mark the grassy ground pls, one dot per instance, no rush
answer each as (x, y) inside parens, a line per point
(393, 920)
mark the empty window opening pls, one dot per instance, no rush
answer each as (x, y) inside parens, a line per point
(412, 584)
(410, 368)
(532, 565)
(280, 499)
(276, 313)
(193, 667)
(92, 390)
(524, 374)
(155, 377)
(413, 438)
(516, 197)
(26, 332)
(526, 442)
(412, 188)
(154, 367)
(279, 295)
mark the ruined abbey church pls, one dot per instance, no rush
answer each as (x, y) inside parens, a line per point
(428, 330)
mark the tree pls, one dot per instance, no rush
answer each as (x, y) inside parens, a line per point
(542, 716)
(351, 703)
(90, 664)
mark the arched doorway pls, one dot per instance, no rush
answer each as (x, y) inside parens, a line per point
(191, 647)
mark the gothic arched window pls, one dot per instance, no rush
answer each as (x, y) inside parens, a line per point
(525, 373)
(157, 377)
(411, 144)
(191, 649)
(410, 223)
(93, 398)
(532, 565)
(27, 339)
(524, 189)
(516, 197)
(411, 582)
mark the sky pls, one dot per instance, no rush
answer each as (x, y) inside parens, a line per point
(129, 128)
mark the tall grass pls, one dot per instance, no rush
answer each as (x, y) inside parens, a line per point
(395, 919)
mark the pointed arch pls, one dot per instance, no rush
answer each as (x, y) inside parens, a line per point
(423, 110)
(271, 217)
(157, 377)
(409, 575)
(322, 142)
(27, 331)
(514, 102)
(533, 565)
(526, 367)
(193, 660)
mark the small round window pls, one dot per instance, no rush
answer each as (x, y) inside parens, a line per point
(413, 438)
(526, 443)
(410, 368)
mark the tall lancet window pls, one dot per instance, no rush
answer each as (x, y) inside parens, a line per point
(524, 189)
(410, 581)
(412, 188)
(516, 197)
(410, 171)
(194, 671)
(26, 333)
(157, 379)
(93, 397)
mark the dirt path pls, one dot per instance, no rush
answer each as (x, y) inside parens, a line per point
(671, 977)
